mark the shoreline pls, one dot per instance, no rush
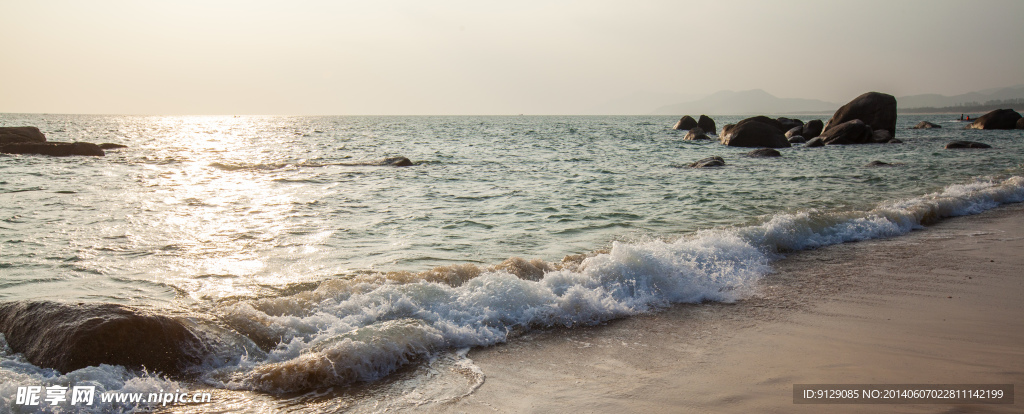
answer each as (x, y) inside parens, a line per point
(939, 305)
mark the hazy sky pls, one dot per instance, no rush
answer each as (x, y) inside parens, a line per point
(487, 57)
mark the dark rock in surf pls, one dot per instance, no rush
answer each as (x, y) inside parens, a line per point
(714, 161)
(56, 149)
(1020, 123)
(848, 133)
(790, 123)
(966, 144)
(11, 135)
(707, 124)
(794, 131)
(873, 108)
(815, 142)
(686, 123)
(997, 119)
(881, 136)
(764, 152)
(797, 139)
(881, 164)
(69, 337)
(396, 162)
(109, 146)
(765, 120)
(753, 134)
(813, 128)
(925, 125)
(894, 141)
(694, 134)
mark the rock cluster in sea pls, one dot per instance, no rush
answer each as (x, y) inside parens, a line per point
(30, 140)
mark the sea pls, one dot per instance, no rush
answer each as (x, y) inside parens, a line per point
(323, 279)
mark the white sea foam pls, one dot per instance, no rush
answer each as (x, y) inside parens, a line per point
(364, 330)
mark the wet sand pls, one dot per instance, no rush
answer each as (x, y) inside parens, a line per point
(941, 305)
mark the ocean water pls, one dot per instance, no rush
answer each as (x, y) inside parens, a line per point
(326, 281)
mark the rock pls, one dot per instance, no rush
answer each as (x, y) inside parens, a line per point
(966, 144)
(813, 128)
(69, 337)
(790, 123)
(794, 131)
(107, 145)
(764, 152)
(707, 124)
(714, 161)
(765, 120)
(894, 141)
(850, 132)
(997, 119)
(696, 133)
(726, 129)
(753, 134)
(10, 135)
(875, 109)
(881, 136)
(686, 123)
(396, 162)
(797, 139)
(881, 164)
(1020, 123)
(56, 149)
(815, 142)
(925, 125)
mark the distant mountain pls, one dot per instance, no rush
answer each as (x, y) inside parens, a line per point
(972, 98)
(752, 102)
(638, 103)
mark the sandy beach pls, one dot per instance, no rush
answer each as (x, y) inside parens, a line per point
(941, 305)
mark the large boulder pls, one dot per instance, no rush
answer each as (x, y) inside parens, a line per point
(997, 119)
(707, 124)
(749, 133)
(1020, 123)
(686, 123)
(795, 131)
(925, 125)
(873, 108)
(847, 133)
(966, 144)
(714, 161)
(56, 149)
(694, 134)
(69, 337)
(767, 121)
(797, 139)
(813, 128)
(10, 135)
(814, 142)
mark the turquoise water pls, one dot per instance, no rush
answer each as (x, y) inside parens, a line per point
(280, 231)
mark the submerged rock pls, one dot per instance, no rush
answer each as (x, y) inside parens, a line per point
(10, 135)
(764, 152)
(997, 119)
(694, 134)
(873, 108)
(966, 144)
(396, 162)
(56, 149)
(707, 124)
(714, 161)
(753, 133)
(686, 122)
(108, 145)
(69, 337)
(925, 125)
(881, 164)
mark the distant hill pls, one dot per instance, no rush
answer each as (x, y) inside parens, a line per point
(752, 102)
(638, 103)
(984, 98)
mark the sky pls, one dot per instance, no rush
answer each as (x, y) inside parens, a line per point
(449, 57)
